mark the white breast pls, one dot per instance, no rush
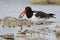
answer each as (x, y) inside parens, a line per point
(34, 18)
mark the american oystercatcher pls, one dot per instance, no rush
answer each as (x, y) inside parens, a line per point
(35, 15)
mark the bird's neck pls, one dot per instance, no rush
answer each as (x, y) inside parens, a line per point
(29, 14)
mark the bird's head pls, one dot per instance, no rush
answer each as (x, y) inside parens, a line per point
(27, 9)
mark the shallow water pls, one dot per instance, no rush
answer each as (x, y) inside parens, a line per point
(14, 7)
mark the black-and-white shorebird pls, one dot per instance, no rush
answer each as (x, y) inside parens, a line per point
(35, 15)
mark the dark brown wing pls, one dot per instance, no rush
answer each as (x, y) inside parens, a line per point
(40, 14)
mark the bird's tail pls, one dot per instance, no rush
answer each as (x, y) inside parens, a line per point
(52, 15)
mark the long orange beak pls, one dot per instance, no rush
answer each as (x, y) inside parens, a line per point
(22, 14)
